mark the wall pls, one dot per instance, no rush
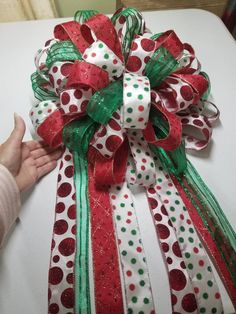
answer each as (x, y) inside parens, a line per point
(69, 7)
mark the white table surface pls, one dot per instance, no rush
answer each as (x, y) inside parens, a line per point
(25, 257)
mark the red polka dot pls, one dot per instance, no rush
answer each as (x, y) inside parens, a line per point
(196, 250)
(134, 46)
(54, 69)
(181, 216)
(133, 64)
(217, 295)
(198, 122)
(93, 54)
(53, 308)
(139, 249)
(66, 68)
(173, 299)
(69, 264)
(69, 171)
(72, 211)
(55, 275)
(56, 258)
(73, 108)
(113, 142)
(49, 294)
(51, 79)
(102, 132)
(132, 287)
(59, 82)
(169, 260)
(64, 189)
(177, 279)
(182, 265)
(201, 263)
(171, 80)
(67, 246)
(70, 278)
(73, 229)
(163, 231)
(78, 94)
(141, 108)
(129, 213)
(189, 303)
(152, 202)
(206, 132)
(176, 249)
(60, 226)
(122, 19)
(185, 120)
(188, 221)
(116, 115)
(68, 157)
(128, 221)
(67, 298)
(157, 217)
(114, 61)
(83, 105)
(196, 290)
(53, 244)
(186, 92)
(163, 210)
(165, 247)
(147, 44)
(60, 207)
(146, 59)
(129, 273)
(114, 125)
(151, 191)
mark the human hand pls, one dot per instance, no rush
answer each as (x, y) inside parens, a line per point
(27, 161)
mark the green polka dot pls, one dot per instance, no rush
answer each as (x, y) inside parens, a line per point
(100, 45)
(146, 89)
(123, 229)
(191, 230)
(131, 243)
(173, 219)
(134, 133)
(142, 283)
(209, 269)
(152, 164)
(202, 310)
(139, 176)
(128, 78)
(199, 276)
(190, 266)
(159, 180)
(140, 271)
(181, 240)
(145, 300)
(168, 192)
(129, 94)
(134, 299)
(45, 105)
(187, 255)
(190, 240)
(135, 85)
(147, 177)
(140, 97)
(200, 245)
(138, 151)
(160, 168)
(104, 67)
(130, 311)
(177, 202)
(182, 229)
(210, 283)
(118, 217)
(122, 204)
(128, 120)
(129, 110)
(133, 260)
(114, 71)
(141, 312)
(106, 56)
(124, 253)
(213, 310)
(172, 208)
(133, 232)
(132, 171)
(40, 112)
(184, 208)
(205, 295)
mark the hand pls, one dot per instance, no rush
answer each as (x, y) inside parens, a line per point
(27, 161)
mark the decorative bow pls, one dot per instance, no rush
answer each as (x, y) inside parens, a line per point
(127, 90)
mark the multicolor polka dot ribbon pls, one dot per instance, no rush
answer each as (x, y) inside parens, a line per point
(136, 92)
(194, 255)
(138, 293)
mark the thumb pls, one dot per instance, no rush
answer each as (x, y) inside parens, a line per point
(19, 130)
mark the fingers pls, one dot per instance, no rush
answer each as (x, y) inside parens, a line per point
(18, 132)
(46, 168)
(32, 145)
(47, 158)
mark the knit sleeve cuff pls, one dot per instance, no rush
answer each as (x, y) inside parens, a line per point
(9, 202)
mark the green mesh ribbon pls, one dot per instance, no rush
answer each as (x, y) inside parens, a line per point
(62, 51)
(77, 136)
(173, 162)
(134, 24)
(82, 16)
(207, 92)
(212, 216)
(106, 101)
(160, 65)
(39, 92)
